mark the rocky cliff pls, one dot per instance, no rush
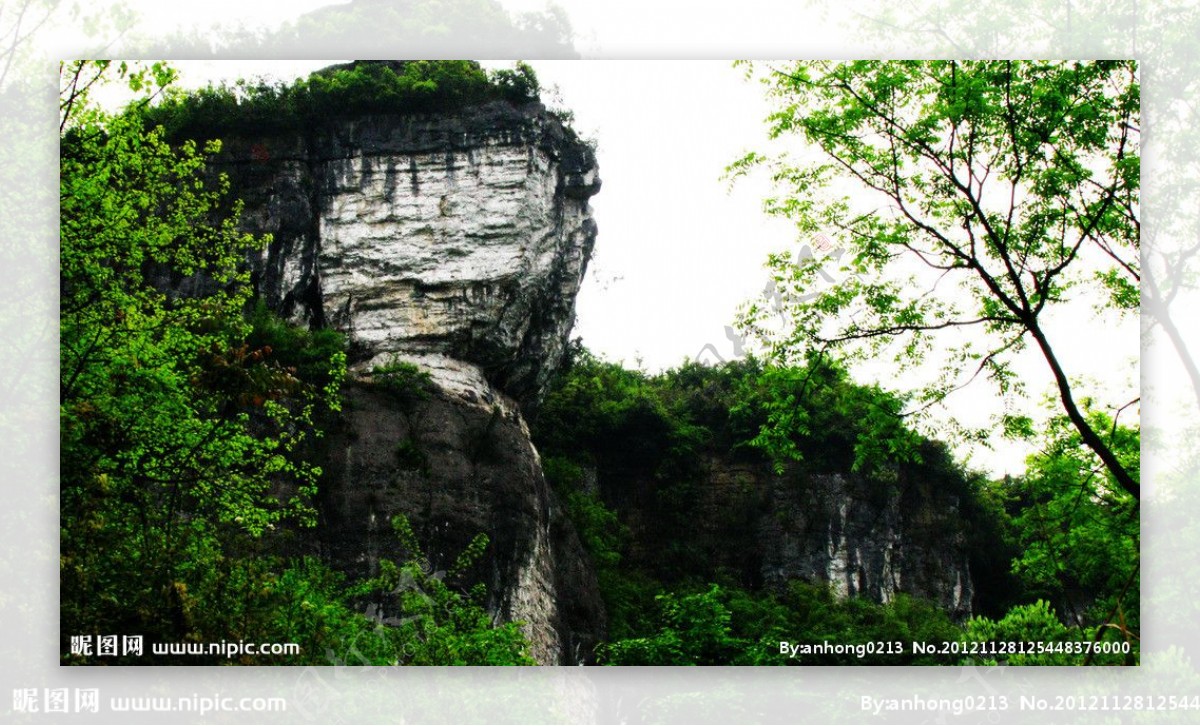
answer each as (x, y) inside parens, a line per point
(741, 520)
(456, 468)
(459, 236)
(457, 242)
(842, 530)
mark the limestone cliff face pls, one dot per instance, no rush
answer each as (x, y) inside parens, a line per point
(458, 242)
(842, 530)
(464, 236)
(742, 520)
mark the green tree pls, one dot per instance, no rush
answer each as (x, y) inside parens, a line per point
(991, 194)
(1038, 624)
(180, 441)
(815, 410)
(438, 622)
(693, 629)
(1078, 530)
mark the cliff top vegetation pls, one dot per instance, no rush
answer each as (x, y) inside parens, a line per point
(337, 92)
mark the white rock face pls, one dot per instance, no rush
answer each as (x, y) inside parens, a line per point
(469, 242)
(865, 539)
(462, 235)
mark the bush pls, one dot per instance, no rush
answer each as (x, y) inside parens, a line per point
(721, 625)
(1038, 624)
(404, 381)
(317, 357)
(438, 623)
(693, 629)
(602, 534)
(410, 457)
(356, 89)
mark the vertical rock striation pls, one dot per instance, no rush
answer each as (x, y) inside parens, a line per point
(461, 235)
(861, 537)
(867, 540)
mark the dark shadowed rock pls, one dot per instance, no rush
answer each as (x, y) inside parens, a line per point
(739, 519)
(455, 468)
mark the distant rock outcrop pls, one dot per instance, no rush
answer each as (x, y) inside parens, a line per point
(764, 529)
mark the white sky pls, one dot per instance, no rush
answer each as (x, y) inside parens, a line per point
(678, 251)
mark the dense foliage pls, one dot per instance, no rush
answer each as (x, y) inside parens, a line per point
(811, 413)
(732, 626)
(1047, 556)
(1078, 530)
(338, 92)
(187, 423)
(441, 623)
(174, 429)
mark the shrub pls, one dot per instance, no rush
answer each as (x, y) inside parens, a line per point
(317, 357)
(404, 381)
(1038, 623)
(438, 623)
(355, 89)
(409, 456)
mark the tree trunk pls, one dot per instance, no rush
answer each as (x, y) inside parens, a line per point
(1089, 435)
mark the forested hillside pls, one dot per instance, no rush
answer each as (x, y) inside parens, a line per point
(684, 553)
